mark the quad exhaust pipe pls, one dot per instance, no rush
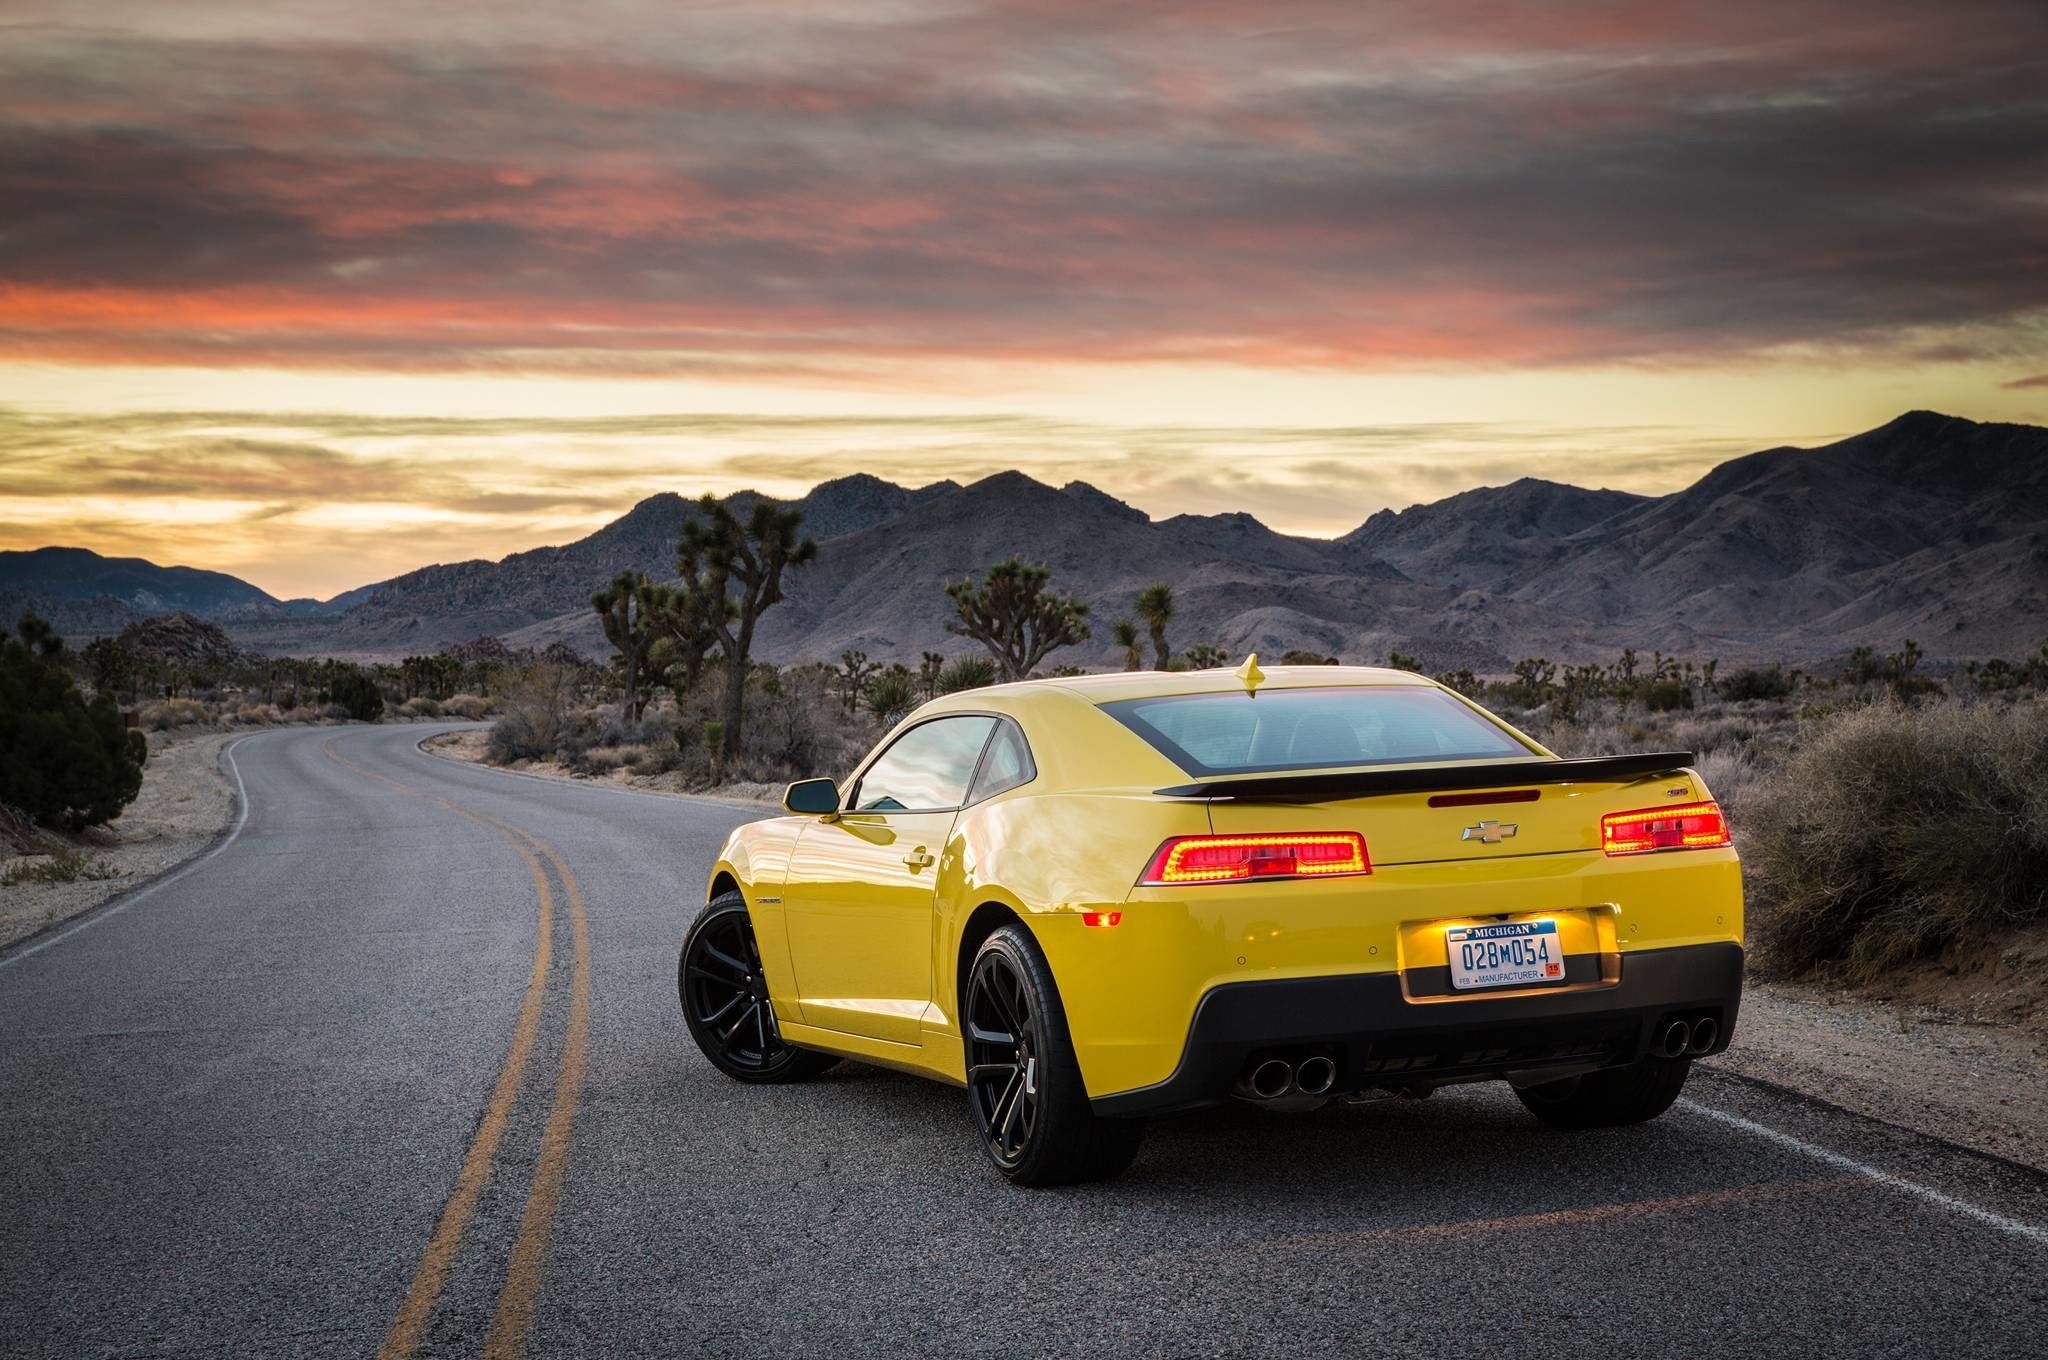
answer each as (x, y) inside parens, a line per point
(1687, 1038)
(1282, 1082)
(1272, 1078)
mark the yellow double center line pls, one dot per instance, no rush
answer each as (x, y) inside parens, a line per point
(512, 1320)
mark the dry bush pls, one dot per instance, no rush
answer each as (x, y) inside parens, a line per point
(540, 716)
(164, 714)
(420, 706)
(257, 715)
(1895, 832)
(65, 866)
(470, 706)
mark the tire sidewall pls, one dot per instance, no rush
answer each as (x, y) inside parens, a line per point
(719, 908)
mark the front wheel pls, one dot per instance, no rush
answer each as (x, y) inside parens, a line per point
(1024, 1087)
(1610, 1097)
(725, 999)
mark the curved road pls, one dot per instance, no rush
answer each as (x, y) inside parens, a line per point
(399, 1067)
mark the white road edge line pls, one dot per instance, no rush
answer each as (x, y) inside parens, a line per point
(1887, 1179)
(122, 904)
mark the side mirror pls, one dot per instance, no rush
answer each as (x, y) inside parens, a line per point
(812, 797)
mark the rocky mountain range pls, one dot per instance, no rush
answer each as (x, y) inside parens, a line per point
(1931, 527)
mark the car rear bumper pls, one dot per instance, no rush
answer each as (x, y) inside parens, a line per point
(1381, 1039)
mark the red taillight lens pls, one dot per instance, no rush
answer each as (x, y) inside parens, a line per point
(1690, 826)
(1233, 859)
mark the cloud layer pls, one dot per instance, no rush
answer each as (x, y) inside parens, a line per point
(811, 193)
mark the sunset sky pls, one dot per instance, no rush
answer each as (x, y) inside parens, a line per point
(316, 293)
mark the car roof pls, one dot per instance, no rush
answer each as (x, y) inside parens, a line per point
(1111, 686)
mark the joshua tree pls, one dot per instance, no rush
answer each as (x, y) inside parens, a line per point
(1010, 612)
(1206, 656)
(1401, 661)
(109, 665)
(854, 672)
(930, 667)
(1154, 605)
(1125, 634)
(722, 558)
(685, 619)
(623, 609)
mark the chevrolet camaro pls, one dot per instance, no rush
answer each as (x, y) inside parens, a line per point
(1094, 900)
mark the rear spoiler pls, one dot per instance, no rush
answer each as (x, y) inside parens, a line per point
(1324, 784)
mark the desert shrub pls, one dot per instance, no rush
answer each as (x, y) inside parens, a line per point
(1666, 696)
(358, 696)
(969, 672)
(1895, 832)
(602, 759)
(889, 697)
(1771, 682)
(63, 760)
(470, 706)
(66, 866)
(539, 717)
(420, 707)
(257, 715)
(166, 714)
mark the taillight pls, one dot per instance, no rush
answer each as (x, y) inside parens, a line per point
(1690, 826)
(1234, 859)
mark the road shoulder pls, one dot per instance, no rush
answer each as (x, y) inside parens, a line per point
(187, 803)
(1978, 1084)
(466, 746)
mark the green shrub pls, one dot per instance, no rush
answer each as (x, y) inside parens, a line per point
(1896, 832)
(1771, 682)
(1666, 696)
(63, 761)
(358, 694)
(969, 672)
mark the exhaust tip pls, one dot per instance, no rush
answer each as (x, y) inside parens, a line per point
(1271, 1078)
(1704, 1033)
(1315, 1076)
(1676, 1036)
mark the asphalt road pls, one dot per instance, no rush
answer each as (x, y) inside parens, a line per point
(314, 1096)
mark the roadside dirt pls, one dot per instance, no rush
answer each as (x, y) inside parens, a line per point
(469, 746)
(1933, 1068)
(186, 800)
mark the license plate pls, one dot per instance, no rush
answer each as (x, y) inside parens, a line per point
(1505, 954)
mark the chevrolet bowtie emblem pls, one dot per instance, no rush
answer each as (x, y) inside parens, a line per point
(1489, 833)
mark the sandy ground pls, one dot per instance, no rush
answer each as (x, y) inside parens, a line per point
(468, 745)
(187, 799)
(1981, 1084)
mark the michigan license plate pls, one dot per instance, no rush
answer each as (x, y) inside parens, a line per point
(1505, 954)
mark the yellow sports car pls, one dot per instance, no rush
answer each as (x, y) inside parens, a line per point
(1097, 899)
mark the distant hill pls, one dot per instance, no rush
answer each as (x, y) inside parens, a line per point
(1930, 527)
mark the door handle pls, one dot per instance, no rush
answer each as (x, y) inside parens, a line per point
(918, 858)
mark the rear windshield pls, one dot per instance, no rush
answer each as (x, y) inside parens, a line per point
(1302, 729)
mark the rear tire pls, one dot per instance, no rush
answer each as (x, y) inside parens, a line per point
(1609, 1098)
(725, 1000)
(1024, 1089)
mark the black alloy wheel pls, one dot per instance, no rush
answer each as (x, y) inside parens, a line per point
(725, 999)
(1004, 1045)
(1024, 1087)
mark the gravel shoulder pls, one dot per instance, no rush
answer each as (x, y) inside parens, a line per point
(1954, 1059)
(1981, 1084)
(187, 800)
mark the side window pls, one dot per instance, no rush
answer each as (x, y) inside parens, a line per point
(926, 769)
(1006, 765)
